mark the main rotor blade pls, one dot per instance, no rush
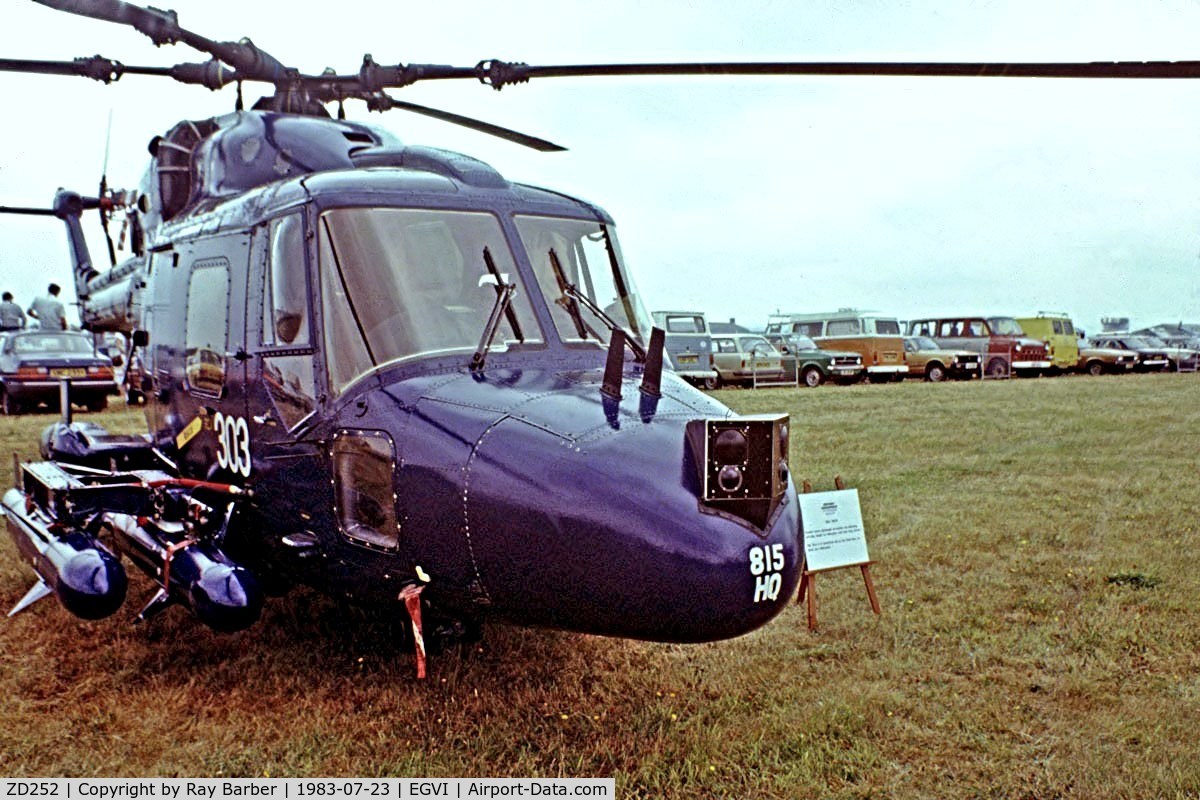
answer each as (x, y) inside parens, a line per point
(38, 212)
(95, 67)
(250, 62)
(976, 69)
(499, 74)
(385, 102)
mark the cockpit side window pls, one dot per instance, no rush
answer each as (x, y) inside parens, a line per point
(286, 320)
(288, 372)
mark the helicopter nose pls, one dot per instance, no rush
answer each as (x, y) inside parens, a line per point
(607, 533)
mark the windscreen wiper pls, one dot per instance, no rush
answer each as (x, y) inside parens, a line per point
(509, 312)
(567, 298)
(502, 306)
(572, 297)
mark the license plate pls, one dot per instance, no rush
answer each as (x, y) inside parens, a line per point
(68, 372)
(689, 359)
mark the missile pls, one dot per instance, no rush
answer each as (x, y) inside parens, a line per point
(223, 594)
(88, 580)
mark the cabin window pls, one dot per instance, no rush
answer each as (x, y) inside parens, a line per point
(887, 327)
(685, 324)
(589, 259)
(207, 324)
(363, 463)
(843, 327)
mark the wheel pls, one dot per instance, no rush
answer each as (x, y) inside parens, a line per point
(997, 368)
(96, 404)
(713, 383)
(935, 372)
(1095, 368)
(812, 377)
(133, 397)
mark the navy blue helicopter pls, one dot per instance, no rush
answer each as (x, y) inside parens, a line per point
(389, 372)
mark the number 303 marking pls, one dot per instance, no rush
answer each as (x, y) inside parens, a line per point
(233, 444)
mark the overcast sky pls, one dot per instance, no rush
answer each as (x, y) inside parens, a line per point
(735, 196)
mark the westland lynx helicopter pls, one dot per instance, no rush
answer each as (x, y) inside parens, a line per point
(387, 371)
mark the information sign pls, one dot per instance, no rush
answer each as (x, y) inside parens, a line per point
(833, 530)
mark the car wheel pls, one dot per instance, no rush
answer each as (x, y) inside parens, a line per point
(812, 377)
(96, 404)
(1095, 368)
(9, 405)
(935, 372)
(713, 383)
(997, 368)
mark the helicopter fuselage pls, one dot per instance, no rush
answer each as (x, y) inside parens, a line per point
(318, 340)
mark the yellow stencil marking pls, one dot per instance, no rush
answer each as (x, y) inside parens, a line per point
(189, 433)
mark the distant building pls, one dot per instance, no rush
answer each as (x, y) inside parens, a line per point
(1114, 324)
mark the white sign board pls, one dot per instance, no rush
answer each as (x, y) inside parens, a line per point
(833, 530)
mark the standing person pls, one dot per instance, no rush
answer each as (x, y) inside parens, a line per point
(12, 318)
(48, 310)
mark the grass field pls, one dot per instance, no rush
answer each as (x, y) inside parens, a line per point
(1037, 565)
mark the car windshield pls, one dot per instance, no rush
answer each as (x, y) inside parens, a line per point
(401, 283)
(755, 344)
(802, 342)
(1005, 326)
(38, 343)
(924, 343)
(588, 259)
(1139, 341)
(1154, 341)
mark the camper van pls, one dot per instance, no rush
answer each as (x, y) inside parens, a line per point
(873, 336)
(688, 344)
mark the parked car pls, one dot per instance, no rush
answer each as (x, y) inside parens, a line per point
(688, 343)
(1149, 357)
(34, 363)
(1101, 360)
(1000, 342)
(929, 360)
(744, 358)
(1057, 331)
(876, 338)
(1183, 359)
(813, 366)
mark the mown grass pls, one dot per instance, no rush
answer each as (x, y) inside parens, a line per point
(1037, 565)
